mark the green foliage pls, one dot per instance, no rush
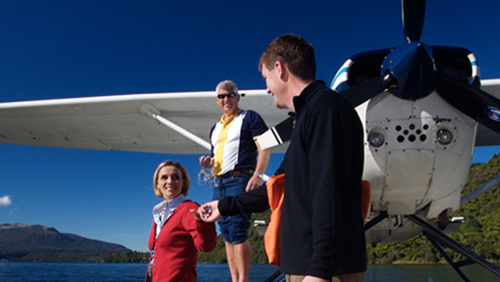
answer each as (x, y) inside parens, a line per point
(480, 233)
(218, 255)
(256, 242)
(127, 257)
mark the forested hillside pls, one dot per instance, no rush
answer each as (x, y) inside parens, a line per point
(480, 233)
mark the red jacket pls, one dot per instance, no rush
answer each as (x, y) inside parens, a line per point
(177, 246)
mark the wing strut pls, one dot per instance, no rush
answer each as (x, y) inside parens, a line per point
(476, 193)
(441, 240)
(152, 112)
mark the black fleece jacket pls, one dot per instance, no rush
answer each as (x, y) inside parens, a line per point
(321, 227)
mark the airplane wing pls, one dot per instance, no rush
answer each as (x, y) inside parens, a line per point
(485, 136)
(125, 122)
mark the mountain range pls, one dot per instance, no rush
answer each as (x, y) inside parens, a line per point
(25, 242)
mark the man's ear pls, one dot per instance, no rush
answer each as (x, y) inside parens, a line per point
(282, 70)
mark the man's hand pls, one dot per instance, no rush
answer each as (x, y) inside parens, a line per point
(313, 279)
(207, 161)
(209, 212)
(196, 215)
(253, 183)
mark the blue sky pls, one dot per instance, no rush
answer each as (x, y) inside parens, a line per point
(68, 48)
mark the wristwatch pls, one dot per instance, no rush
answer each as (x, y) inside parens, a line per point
(260, 175)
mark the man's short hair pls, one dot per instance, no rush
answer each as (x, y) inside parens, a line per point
(292, 51)
(227, 85)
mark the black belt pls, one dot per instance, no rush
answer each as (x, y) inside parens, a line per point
(236, 173)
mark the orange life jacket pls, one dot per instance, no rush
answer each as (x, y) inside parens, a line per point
(275, 193)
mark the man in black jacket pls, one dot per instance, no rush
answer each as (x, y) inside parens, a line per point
(322, 236)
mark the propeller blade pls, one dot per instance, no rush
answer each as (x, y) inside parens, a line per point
(413, 19)
(477, 104)
(363, 92)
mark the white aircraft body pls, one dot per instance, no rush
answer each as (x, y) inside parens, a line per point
(424, 109)
(423, 162)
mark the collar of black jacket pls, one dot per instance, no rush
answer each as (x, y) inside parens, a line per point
(306, 94)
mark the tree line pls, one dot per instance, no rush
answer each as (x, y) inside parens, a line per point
(480, 232)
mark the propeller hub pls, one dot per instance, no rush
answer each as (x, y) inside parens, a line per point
(413, 68)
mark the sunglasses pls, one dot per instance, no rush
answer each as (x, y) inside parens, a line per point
(229, 95)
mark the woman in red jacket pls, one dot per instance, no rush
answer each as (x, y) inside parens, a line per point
(177, 233)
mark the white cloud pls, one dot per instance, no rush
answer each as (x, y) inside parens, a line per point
(5, 201)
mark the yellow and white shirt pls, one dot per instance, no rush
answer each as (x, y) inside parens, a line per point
(232, 140)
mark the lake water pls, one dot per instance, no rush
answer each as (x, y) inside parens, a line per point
(97, 272)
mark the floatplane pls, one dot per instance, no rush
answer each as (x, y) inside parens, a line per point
(424, 108)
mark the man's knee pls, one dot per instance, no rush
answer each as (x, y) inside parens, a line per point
(351, 277)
